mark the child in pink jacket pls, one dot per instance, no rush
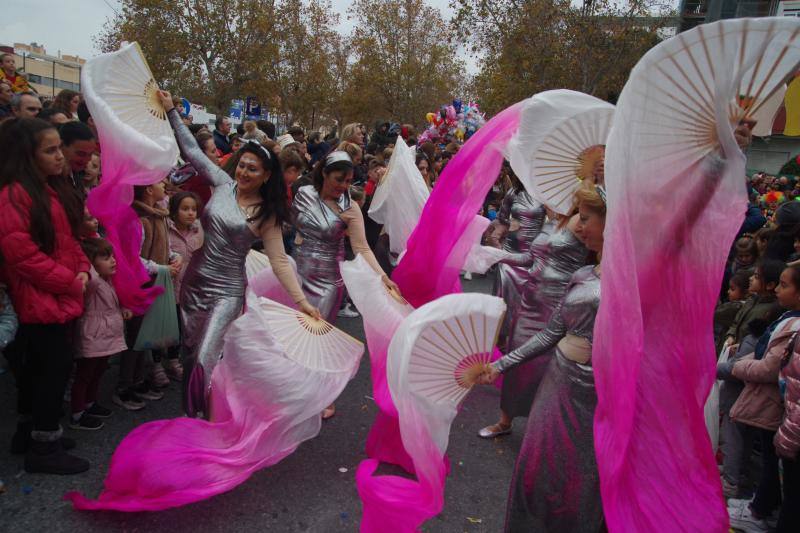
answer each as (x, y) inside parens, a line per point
(100, 334)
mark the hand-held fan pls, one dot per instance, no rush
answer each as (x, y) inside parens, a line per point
(739, 65)
(313, 343)
(122, 96)
(441, 348)
(560, 142)
(400, 197)
(675, 184)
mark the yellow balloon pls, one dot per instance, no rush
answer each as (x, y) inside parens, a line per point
(430, 117)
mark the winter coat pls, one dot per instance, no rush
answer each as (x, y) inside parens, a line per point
(760, 404)
(724, 315)
(787, 440)
(221, 142)
(731, 387)
(101, 330)
(155, 246)
(8, 320)
(44, 288)
(185, 245)
(754, 307)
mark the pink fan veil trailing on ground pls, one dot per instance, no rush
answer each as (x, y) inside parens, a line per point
(264, 405)
(138, 148)
(436, 252)
(676, 199)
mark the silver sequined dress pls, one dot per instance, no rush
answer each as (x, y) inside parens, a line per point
(212, 291)
(320, 249)
(556, 486)
(525, 217)
(557, 257)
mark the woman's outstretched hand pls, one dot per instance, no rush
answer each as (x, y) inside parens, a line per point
(166, 100)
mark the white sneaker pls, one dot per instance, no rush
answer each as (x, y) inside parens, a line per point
(742, 519)
(348, 312)
(736, 503)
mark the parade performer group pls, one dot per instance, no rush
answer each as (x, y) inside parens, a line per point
(605, 382)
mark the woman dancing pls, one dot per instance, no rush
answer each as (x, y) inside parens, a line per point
(555, 486)
(556, 256)
(250, 207)
(323, 216)
(521, 219)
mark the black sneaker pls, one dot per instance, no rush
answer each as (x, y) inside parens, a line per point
(128, 400)
(86, 422)
(98, 411)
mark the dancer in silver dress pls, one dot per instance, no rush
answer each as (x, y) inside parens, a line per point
(323, 215)
(556, 257)
(555, 486)
(523, 217)
(240, 212)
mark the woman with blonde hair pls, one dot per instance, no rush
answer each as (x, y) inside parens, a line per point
(353, 133)
(556, 486)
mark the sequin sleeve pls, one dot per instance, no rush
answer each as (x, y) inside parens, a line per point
(539, 344)
(208, 171)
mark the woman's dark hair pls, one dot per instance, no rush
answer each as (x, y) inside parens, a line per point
(195, 128)
(422, 156)
(769, 270)
(781, 244)
(63, 99)
(138, 192)
(176, 199)
(19, 138)
(741, 279)
(96, 247)
(318, 174)
(273, 191)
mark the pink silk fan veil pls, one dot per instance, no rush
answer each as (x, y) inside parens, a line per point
(676, 197)
(435, 254)
(138, 148)
(264, 405)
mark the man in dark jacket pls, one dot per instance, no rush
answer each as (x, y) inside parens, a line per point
(222, 128)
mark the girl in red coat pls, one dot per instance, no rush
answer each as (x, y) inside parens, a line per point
(46, 272)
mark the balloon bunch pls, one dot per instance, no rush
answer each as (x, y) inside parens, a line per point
(453, 122)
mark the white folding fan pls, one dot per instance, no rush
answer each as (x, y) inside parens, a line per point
(400, 197)
(122, 96)
(686, 86)
(435, 357)
(313, 343)
(441, 348)
(560, 140)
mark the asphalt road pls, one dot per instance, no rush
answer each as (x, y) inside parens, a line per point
(307, 491)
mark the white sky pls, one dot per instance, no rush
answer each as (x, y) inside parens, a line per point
(69, 25)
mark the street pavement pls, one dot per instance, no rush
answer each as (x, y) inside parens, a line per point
(311, 490)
